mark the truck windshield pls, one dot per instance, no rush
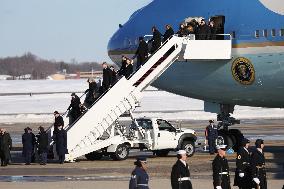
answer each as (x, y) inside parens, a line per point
(164, 125)
(145, 123)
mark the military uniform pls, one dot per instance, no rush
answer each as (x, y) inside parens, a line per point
(180, 176)
(243, 167)
(258, 168)
(221, 176)
(139, 179)
(212, 134)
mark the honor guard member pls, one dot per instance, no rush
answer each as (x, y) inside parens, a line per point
(258, 165)
(139, 177)
(243, 178)
(180, 176)
(221, 176)
(212, 135)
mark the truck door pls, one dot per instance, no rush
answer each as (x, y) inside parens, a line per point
(166, 135)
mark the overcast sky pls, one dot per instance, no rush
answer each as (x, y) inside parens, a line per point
(62, 29)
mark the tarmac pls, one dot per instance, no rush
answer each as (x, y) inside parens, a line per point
(107, 173)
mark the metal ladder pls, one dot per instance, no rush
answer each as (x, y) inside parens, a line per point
(83, 136)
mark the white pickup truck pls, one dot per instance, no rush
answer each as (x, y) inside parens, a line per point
(152, 134)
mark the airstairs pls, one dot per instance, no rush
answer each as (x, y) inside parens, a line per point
(84, 136)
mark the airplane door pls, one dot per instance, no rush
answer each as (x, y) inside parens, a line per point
(166, 135)
(219, 22)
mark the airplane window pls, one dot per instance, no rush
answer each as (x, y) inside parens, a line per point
(257, 33)
(281, 32)
(265, 33)
(273, 32)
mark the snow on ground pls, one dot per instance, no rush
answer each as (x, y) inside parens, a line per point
(39, 108)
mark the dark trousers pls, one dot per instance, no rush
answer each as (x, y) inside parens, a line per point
(4, 160)
(212, 145)
(140, 62)
(43, 158)
(61, 158)
(28, 157)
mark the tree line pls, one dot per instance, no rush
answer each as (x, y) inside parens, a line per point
(40, 68)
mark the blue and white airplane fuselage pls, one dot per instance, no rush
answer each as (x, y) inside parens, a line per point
(255, 74)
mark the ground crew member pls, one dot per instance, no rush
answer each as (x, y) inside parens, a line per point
(61, 144)
(180, 175)
(211, 135)
(58, 121)
(5, 147)
(221, 176)
(243, 178)
(28, 146)
(258, 165)
(139, 177)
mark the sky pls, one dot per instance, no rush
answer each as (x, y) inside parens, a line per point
(62, 29)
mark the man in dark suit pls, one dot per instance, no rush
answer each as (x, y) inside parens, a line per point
(28, 145)
(42, 138)
(168, 33)
(75, 108)
(156, 40)
(141, 53)
(106, 77)
(5, 147)
(58, 121)
(243, 178)
(180, 175)
(61, 144)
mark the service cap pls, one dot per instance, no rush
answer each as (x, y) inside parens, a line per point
(181, 152)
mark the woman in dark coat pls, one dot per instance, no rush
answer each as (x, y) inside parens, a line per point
(61, 144)
(169, 32)
(129, 68)
(156, 40)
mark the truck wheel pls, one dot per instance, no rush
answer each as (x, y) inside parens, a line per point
(94, 156)
(161, 153)
(224, 139)
(121, 153)
(189, 147)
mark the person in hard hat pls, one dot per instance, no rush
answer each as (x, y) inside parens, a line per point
(220, 166)
(139, 176)
(258, 165)
(243, 177)
(180, 175)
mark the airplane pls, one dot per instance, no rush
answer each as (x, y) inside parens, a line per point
(252, 77)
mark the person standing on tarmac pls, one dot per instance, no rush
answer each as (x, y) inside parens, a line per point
(211, 135)
(180, 175)
(243, 178)
(5, 147)
(61, 144)
(28, 146)
(74, 108)
(258, 165)
(42, 139)
(139, 176)
(220, 166)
